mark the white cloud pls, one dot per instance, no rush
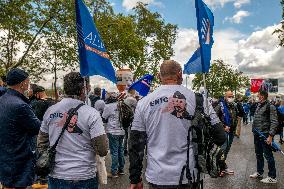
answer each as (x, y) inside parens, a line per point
(260, 56)
(216, 3)
(238, 17)
(225, 45)
(221, 3)
(239, 3)
(129, 4)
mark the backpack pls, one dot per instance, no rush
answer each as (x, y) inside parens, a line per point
(209, 157)
(126, 114)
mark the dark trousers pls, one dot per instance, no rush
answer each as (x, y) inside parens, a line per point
(184, 186)
(54, 183)
(261, 148)
(228, 143)
(125, 141)
(245, 118)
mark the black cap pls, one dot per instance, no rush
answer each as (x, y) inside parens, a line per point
(178, 95)
(38, 89)
(16, 76)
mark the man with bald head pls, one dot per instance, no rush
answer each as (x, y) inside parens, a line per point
(162, 122)
(227, 112)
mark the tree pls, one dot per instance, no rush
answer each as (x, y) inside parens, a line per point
(221, 77)
(280, 31)
(40, 36)
(20, 26)
(139, 41)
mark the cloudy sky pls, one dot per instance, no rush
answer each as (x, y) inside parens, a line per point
(242, 32)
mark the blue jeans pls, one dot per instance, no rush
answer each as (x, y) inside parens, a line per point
(228, 143)
(54, 183)
(261, 148)
(116, 151)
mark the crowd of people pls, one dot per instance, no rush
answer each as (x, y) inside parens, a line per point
(171, 125)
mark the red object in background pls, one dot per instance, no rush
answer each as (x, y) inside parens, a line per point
(255, 85)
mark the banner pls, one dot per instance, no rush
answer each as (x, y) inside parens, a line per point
(269, 85)
(255, 85)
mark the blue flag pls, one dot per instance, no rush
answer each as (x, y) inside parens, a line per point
(247, 92)
(142, 86)
(104, 92)
(94, 59)
(274, 146)
(194, 64)
(202, 56)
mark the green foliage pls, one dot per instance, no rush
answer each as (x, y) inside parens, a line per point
(41, 37)
(280, 31)
(139, 41)
(221, 77)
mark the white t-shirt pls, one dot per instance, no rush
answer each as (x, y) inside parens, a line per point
(165, 116)
(111, 114)
(75, 157)
(100, 105)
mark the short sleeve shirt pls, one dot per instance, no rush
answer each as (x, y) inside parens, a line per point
(75, 157)
(165, 115)
(112, 115)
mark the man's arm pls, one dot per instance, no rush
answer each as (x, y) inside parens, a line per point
(42, 142)
(100, 144)
(218, 132)
(28, 119)
(137, 143)
(99, 139)
(273, 120)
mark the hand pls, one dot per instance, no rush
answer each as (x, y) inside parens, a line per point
(269, 140)
(136, 186)
(227, 129)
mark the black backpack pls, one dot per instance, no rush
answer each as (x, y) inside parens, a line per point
(126, 114)
(208, 156)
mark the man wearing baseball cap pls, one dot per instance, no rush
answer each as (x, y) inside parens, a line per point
(18, 124)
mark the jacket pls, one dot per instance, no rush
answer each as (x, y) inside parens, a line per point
(18, 125)
(2, 90)
(233, 115)
(265, 118)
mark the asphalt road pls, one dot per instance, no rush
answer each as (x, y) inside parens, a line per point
(241, 159)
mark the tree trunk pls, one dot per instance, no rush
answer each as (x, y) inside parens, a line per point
(55, 76)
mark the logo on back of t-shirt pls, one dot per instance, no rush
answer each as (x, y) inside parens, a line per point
(177, 106)
(72, 126)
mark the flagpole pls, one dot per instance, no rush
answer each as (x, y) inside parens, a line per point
(86, 91)
(205, 93)
(202, 59)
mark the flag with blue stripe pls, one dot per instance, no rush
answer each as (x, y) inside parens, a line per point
(202, 56)
(143, 85)
(94, 59)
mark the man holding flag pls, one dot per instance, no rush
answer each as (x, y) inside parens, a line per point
(266, 122)
(227, 112)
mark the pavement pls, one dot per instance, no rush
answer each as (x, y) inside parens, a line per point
(241, 159)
